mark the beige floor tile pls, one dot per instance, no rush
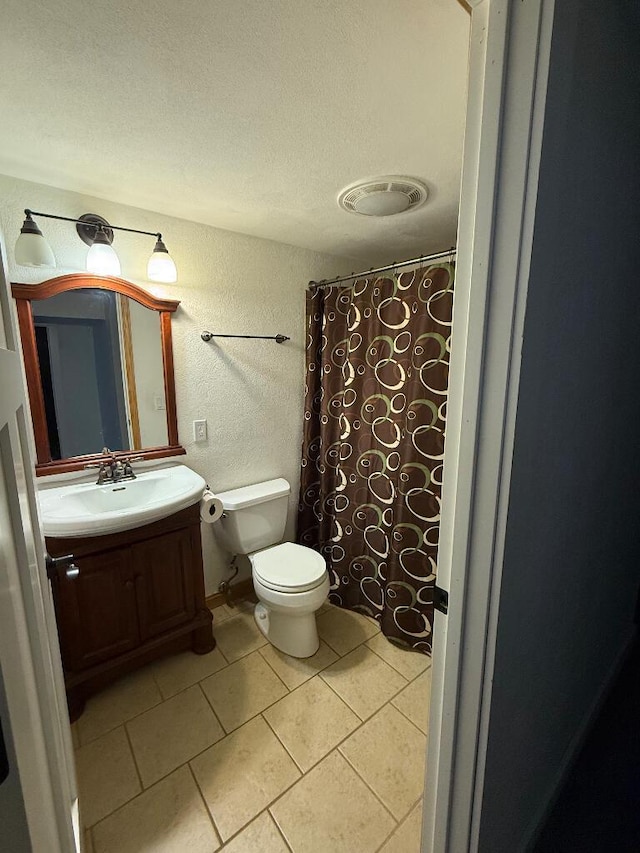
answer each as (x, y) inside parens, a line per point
(169, 735)
(363, 680)
(107, 776)
(389, 753)
(221, 614)
(414, 701)
(406, 838)
(407, 662)
(242, 774)
(311, 721)
(242, 690)
(167, 818)
(261, 836)
(175, 673)
(239, 636)
(121, 701)
(295, 671)
(75, 737)
(343, 630)
(331, 810)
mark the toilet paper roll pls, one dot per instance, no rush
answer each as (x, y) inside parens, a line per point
(210, 507)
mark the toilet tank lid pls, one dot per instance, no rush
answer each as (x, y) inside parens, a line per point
(256, 494)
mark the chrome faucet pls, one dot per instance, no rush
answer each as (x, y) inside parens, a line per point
(113, 470)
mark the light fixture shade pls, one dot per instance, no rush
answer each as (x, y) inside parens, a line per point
(161, 266)
(101, 257)
(32, 250)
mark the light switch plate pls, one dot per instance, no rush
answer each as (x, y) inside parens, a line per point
(200, 430)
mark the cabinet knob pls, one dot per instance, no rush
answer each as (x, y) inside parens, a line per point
(55, 563)
(128, 584)
(72, 572)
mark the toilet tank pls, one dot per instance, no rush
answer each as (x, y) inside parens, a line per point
(254, 516)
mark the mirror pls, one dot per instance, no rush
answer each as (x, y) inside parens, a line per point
(103, 351)
(99, 369)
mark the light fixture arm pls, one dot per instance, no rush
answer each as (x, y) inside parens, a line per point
(28, 212)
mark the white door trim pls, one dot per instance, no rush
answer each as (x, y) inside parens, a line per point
(29, 652)
(508, 70)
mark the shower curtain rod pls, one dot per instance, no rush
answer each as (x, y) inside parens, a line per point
(329, 282)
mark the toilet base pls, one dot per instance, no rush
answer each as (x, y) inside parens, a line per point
(295, 635)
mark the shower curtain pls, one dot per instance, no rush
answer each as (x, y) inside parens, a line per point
(377, 365)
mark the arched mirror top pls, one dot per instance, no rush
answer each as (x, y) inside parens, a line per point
(81, 281)
(99, 367)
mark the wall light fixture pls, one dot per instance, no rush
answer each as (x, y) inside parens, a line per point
(32, 249)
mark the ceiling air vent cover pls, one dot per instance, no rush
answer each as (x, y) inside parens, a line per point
(383, 196)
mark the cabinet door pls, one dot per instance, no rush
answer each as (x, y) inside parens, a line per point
(163, 569)
(97, 614)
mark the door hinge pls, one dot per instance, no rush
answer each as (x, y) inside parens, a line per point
(441, 600)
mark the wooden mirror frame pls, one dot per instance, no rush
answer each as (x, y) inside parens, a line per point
(25, 294)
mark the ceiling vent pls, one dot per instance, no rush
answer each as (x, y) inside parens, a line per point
(383, 196)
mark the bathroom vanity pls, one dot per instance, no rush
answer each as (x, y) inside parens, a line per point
(126, 599)
(124, 558)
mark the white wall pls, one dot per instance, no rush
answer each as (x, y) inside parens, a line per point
(572, 559)
(250, 392)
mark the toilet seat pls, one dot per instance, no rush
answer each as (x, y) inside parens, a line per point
(289, 567)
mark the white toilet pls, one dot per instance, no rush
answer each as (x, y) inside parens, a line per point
(291, 581)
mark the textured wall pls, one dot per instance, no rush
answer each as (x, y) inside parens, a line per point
(250, 392)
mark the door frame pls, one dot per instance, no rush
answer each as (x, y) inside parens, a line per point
(29, 651)
(510, 45)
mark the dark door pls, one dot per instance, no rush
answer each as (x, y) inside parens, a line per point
(97, 613)
(163, 569)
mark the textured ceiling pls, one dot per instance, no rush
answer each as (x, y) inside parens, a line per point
(249, 115)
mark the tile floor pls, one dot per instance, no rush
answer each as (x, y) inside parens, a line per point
(246, 749)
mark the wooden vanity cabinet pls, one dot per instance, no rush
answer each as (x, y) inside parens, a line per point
(137, 595)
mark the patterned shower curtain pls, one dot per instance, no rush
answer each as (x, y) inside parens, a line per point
(377, 362)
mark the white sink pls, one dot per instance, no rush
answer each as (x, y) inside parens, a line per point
(89, 510)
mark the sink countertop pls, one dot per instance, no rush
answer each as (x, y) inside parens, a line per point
(85, 509)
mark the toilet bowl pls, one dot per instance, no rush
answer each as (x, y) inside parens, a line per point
(290, 581)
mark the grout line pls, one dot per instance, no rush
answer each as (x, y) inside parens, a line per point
(213, 711)
(266, 811)
(280, 829)
(156, 781)
(386, 702)
(311, 675)
(224, 657)
(155, 680)
(304, 776)
(227, 734)
(375, 793)
(114, 727)
(409, 720)
(289, 689)
(206, 804)
(284, 746)
(253, 716)
(401, 823)
(388, 663)
(133, 755)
